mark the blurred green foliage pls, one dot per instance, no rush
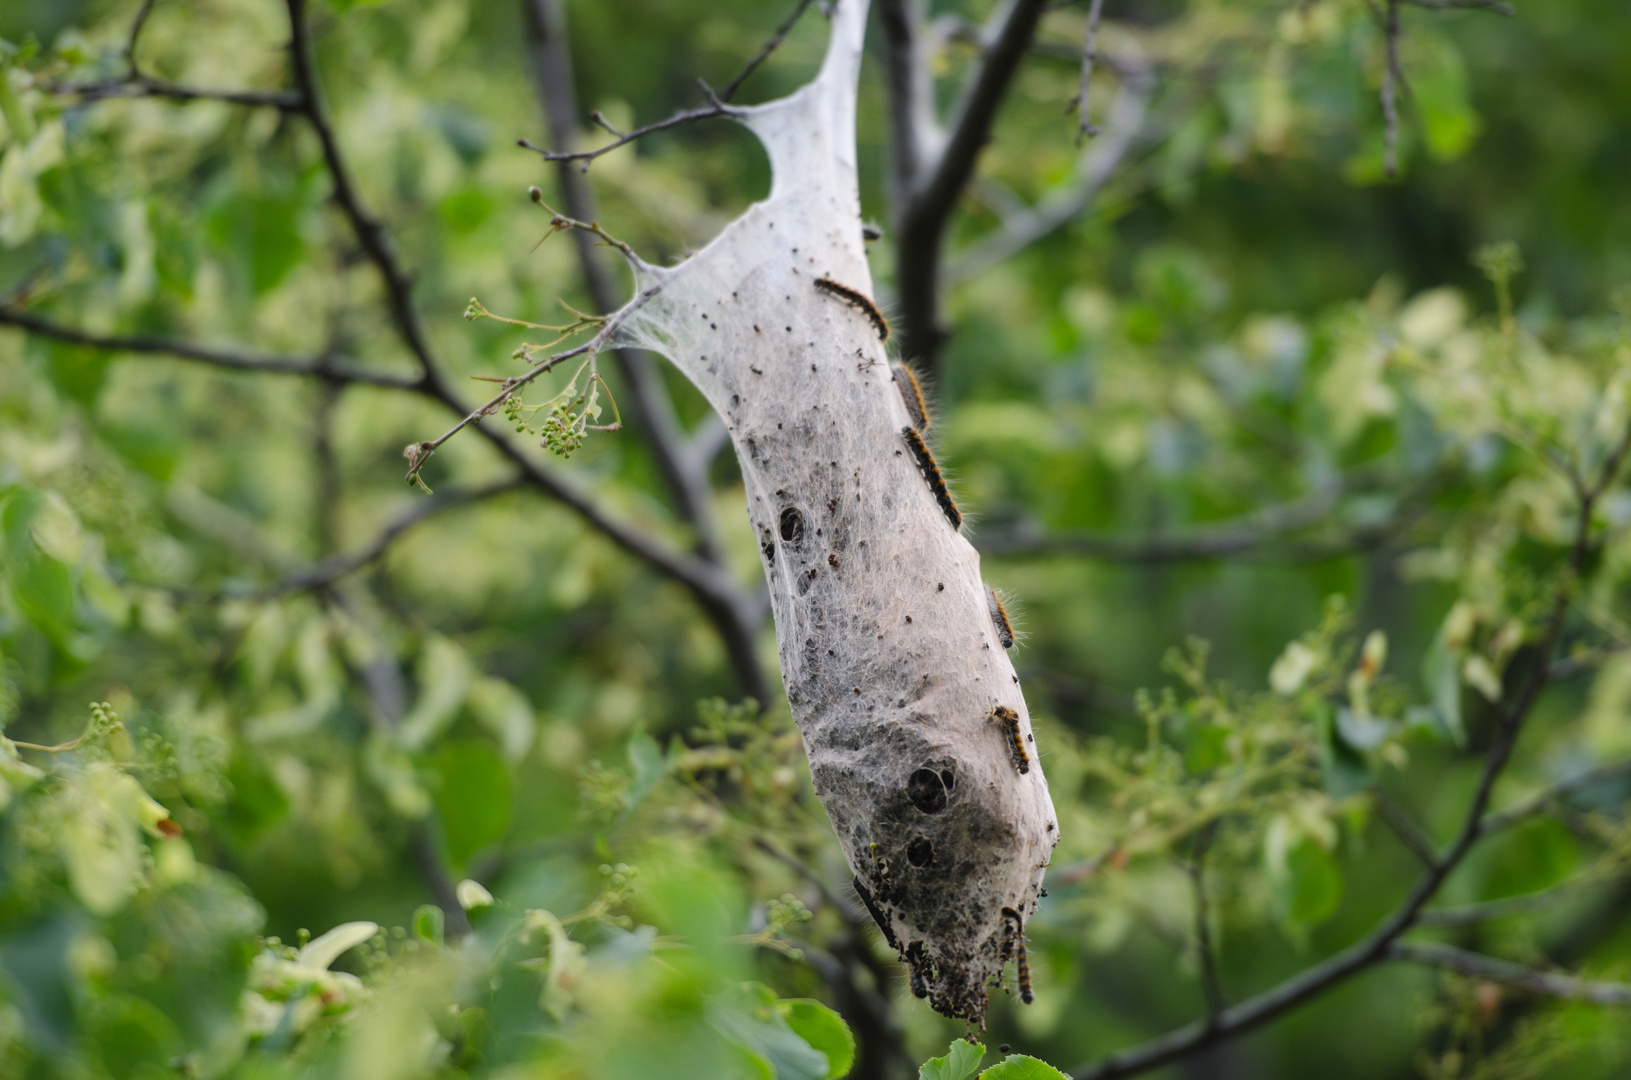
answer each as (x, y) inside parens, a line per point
(239, 863)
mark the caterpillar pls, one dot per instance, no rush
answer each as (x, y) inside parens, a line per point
(915, 963)
(999, 616)
(1009, 719)
(1022, 964)
(877, 916)
(912, 395)
(931, 473)
(860, 300)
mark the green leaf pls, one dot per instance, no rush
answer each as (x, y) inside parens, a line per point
(262, 232)
(474, 798)
(961, 1061)
(41, 585)
(428, 924)
(1312, 886)
(823, 1029)
(1020, 1067)
(646, 758)
(1441, 672)
(749, 1018)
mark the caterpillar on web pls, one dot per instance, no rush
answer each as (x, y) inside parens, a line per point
(912, 395)
(931, 473)
(1009, 719)
(999, 617)
(1022, 964)
(860, 300)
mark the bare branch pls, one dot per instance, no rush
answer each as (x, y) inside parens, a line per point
(1206, 954)
(1479, 966)
(915, 135)
(1392, 77)
(1093, 170)
(1405, 828)
(140, 86)
(684, 116)
(1559, 791)
(930, 204)
(134, 84)
(682, 465)
(764, 52)
(1267, 529)
(1497, 6)
(335, 567)
(321, 367)
(1090, 52)
(1469, 914)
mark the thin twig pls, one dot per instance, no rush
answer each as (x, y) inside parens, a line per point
(684, 116)
(1023, 225)
(321, 367)
(144, 86)
(335, 567)
(1490, 969)
(1391, 80)
(1405, 827)
(1559, 791)
(764, 52)
(682, 463)
(1086, 129)
(1211, 987)
(1496, 6)
(1470, 914)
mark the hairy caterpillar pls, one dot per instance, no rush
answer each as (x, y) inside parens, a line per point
(915, 963)
(912, 395)
(1022, 964)
(860, 300)
(999, 616)
(877, 916)
(1009, 719)
(931, 473)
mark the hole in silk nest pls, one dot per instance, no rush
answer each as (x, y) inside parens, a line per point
(926, 791)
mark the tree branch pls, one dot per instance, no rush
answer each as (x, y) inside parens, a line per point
(1479, 966)
(684, 474)
(1090, 52)
(1405, 827)
(1377, 945)
(332, 569)
(1247, 534)
(1211, 987)
(140, 86)
(1093, 170)
(760, 57)
(325, 367)
(930, 203)
(1497, 6)
(1470, 914)
(1538, 803)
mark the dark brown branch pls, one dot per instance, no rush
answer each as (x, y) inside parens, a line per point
(684, 116)
(1405, 828)
(1268, 529)
(929, 204)
(716, 102)
(914, 131)
(140, 86)
(135, 84)
(1497, 6)
(321, 367)
(1023, 226)
(1392, 78)
(1559, 791)
(370, 232)
(1211, 987)
(1469, 914)
(1479, 966)
(1090, 52)
(1377, 945)
(764, 52)
(335, 567)
(684, 474)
